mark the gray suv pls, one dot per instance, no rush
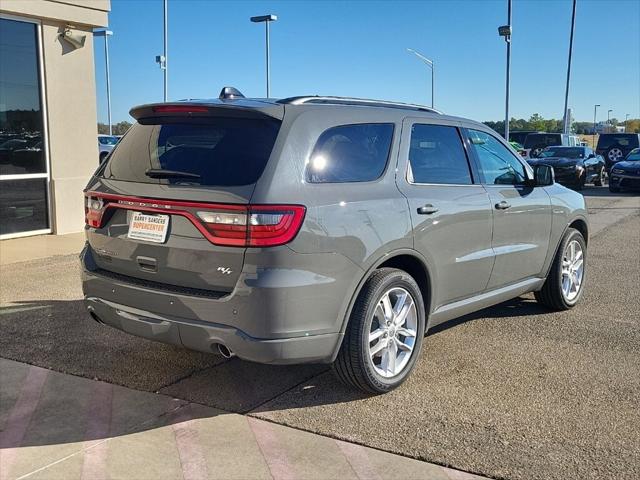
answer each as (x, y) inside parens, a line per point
(320, 229)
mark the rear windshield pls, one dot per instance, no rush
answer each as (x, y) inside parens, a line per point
(621, 140)
(216, 151)
(539, 139)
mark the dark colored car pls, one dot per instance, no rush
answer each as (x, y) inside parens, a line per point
(626, 174)
(535, 143)
(521, 136)
(573, 166)
(614, 147)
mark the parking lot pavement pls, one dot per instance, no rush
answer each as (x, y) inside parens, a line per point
(509, 392)
(513, 391)
(57, 426)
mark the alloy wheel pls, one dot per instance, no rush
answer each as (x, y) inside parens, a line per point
(392, 332)
(615, 155)
(572, 270)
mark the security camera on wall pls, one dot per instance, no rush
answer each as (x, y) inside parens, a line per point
(72, 38)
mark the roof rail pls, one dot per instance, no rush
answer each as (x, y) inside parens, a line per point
(355, 101)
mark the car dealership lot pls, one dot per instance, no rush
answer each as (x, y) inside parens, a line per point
(510, 392)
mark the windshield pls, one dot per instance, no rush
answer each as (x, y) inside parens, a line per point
(108, 140)
(634, 155)
(216, 151)
(563, 152)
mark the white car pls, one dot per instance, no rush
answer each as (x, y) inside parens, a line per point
(106, 144)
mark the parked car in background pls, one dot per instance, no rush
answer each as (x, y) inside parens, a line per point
(106, 144)
(516, 146)
(626, 174)
(536, 142)
(614, 147)
(573, 166)
(520, 136)
(313, 229)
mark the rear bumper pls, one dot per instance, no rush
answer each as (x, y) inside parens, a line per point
(274, 315)
(205, 337)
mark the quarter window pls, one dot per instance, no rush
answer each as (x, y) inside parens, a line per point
(351, 153)
(496, 163)
(436, 155)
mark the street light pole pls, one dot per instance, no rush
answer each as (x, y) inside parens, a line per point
(505, 31)
(166, 41)
(626, 119)
(266, 19)
(431, 64)
(106, 34)
(595, 112)
(567, 120)
(609, 120)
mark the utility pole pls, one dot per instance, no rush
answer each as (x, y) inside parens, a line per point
(505, 31)
(595, 112)
(567, 120)
(166, 40)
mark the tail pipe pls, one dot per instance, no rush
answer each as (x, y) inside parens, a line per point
(225, 351)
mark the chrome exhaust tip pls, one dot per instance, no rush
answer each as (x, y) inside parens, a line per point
(225, 351)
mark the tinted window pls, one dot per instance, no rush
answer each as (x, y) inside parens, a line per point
(541, 139)
(623, 140)
(351, 153)
(436, 155)
(222, 151)
(497, 164)
(23, 205)
(21, 149)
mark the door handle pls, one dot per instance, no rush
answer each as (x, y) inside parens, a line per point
(503, 205)
(427, 209)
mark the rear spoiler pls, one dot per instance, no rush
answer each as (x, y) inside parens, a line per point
(239, 108)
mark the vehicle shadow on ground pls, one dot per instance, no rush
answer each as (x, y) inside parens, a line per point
(59, 335)
(517, 307)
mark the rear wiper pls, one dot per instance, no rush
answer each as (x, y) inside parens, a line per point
(162, 173)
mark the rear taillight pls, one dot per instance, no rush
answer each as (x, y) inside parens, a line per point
(221, 224)
(94, 208)
(254, 225)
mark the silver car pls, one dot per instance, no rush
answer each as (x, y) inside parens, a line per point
(320, 229)
(105, 145)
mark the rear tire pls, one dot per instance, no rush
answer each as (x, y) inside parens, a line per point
(356, 365)
(553, 294)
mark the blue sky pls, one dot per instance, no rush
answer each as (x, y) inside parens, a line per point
(358, 48)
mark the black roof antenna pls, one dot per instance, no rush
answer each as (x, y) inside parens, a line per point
(230, 93)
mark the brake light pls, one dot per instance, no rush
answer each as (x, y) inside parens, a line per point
(180, 109)
(255, 225)
(222, 224)
(94, 208)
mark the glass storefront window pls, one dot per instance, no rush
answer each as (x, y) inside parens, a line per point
(23, 205)
(23, 165)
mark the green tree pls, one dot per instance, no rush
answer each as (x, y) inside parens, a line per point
(119, 128)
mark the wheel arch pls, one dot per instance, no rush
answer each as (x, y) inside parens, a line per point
(406, 259)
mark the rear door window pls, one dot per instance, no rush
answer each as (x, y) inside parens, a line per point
(350, 153)
(436, 155)
(217, 152)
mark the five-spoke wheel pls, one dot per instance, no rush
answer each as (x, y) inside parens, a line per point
(384, 333)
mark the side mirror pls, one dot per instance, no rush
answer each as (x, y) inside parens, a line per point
(543, 175)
